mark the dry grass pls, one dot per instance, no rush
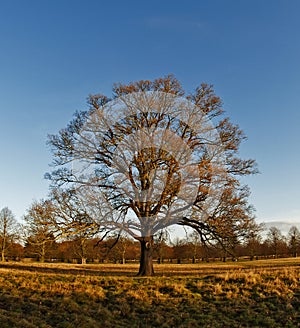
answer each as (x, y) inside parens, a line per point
(245, 294)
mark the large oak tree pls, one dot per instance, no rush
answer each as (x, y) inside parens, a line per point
(154, 156)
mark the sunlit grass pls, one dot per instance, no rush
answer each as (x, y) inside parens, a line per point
(243, 294)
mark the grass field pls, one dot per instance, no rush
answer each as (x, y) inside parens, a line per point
(237, 294)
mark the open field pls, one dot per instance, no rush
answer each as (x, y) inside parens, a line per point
(237, 294)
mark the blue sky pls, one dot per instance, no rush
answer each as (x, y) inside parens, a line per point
(56, 52)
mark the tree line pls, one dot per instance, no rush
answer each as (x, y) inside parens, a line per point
(32, 241)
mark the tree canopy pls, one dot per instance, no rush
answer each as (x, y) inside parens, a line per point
(153, 156)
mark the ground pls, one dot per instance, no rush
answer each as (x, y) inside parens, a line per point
(239, 294)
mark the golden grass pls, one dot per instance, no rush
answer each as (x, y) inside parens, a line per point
(160, 269)
(243, 294)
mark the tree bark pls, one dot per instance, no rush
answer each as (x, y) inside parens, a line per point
(3, 249)
(3, 246)
(123, 257)
(146, 260)
(43, 253)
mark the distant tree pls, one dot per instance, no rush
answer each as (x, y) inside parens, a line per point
(118, 248)
(15, 251)
(182, 250)
(65, 251)
(151, 155)
(80, 247)
(196, 245)
(38, 234)
(8, 230)
(253, 241)
(276, 241)
(74, 218)
(161, 247)
(294, 240)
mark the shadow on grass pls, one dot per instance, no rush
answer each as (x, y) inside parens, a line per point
(86, 270)
(161, 270)
(118, 270)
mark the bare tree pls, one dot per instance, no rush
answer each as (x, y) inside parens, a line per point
(8, 230)
(117, 247)
(294, 240)
(37, 231)
(275, 240)
(77, 216)
(195, 241)
(80, 246)
(152, 157)
(161, 240)
(254, 240)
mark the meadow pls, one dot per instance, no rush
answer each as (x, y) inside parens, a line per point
(262, 293)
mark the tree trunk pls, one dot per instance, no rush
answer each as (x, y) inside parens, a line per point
(146, 260)
(3, 249)
(3, 246)
(123, 257)
(43, 253)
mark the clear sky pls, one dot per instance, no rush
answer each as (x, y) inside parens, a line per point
(55, 52)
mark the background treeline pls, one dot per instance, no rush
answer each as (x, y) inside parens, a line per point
(19, 242)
